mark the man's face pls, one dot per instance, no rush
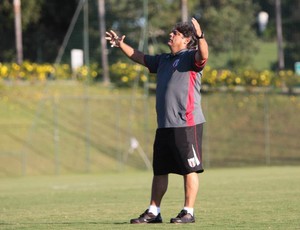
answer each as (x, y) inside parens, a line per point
(177, 41)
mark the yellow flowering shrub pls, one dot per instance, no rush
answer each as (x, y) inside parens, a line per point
(250, 78)
(125, 74)
(42, 72)
(287, 78)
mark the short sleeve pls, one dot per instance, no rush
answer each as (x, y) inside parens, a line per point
(198, 65)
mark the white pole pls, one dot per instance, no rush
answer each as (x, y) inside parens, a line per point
(102, 25)
(18, 31)
(184, 10)
(279, 35)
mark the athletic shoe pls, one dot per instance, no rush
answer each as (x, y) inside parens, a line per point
(147, 218)
(183, 218)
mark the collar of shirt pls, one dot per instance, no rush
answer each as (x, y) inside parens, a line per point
(176, 54)
(179, 52)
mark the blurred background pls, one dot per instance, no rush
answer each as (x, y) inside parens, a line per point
(72, 104)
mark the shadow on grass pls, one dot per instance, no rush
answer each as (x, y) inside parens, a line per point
(64, 223)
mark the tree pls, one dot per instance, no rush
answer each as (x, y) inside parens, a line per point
(290, 27)
(102, 25)
(279, 34)
(30, 15)
(229, 25)
(18, 30)
(43, 38)
(291, 31)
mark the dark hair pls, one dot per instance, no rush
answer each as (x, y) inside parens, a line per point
(187, 30)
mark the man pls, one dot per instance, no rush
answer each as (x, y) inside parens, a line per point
(178, 139)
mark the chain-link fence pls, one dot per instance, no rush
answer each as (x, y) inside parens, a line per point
(77, 128)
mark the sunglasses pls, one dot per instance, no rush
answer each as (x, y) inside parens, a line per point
(176, 32)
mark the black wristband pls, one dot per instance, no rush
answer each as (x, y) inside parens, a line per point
(201, 36)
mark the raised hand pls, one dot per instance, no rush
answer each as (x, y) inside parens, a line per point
(114, 39)
(197, 27)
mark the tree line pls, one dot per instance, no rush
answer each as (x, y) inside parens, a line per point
(230, 27)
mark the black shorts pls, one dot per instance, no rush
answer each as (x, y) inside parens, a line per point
(178, 150)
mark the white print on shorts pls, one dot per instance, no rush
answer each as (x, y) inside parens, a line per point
(193, 162)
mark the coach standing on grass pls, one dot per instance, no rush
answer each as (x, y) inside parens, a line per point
(178, 139)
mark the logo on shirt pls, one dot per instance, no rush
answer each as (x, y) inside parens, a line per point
(175, 63)
(194, 161)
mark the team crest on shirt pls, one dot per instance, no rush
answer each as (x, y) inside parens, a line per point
(175, 63)
(194, 161)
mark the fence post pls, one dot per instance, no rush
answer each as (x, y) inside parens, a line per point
(56, 135)
(267, 128)
(206, 136)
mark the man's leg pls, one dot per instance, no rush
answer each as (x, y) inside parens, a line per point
(191, 185)
(159, 188)
(152, 215)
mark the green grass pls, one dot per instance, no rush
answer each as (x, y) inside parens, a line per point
(236, 198)
(264, 58)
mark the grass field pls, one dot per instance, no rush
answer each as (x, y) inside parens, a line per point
(236, 198)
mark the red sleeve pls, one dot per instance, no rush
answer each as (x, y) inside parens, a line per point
(199, 65)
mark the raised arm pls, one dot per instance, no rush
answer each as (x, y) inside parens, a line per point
(116, 41)
(202, 53)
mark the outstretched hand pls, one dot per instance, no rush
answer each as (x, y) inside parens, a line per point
(114, 39)
(197, 27)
